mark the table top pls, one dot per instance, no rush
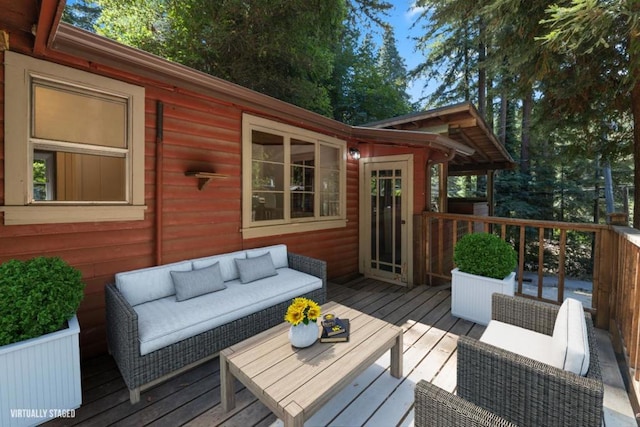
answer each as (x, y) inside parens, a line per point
(305, 379)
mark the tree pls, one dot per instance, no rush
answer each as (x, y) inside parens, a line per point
(306, 53)
(600, 40)
(283, 48)
(82, 14)
(451, 38)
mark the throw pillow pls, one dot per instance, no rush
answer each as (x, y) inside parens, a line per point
(190, 284)
(252, 269)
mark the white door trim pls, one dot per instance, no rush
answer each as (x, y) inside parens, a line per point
(364, 225)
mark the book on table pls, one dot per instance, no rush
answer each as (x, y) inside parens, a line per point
(339, 337)
(334, 327)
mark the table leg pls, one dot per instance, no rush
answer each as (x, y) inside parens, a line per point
(227, 385)
(293, 415)
(396, 357)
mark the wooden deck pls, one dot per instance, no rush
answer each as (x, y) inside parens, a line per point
(375, 398)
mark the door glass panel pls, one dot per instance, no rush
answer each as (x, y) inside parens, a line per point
(386, 221)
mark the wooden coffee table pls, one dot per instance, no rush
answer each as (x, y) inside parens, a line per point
(294, 383)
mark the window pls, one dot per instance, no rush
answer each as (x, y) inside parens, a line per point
(74, 145)
(294, 179)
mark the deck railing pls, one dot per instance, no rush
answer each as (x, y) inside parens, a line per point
(542, 248)
(625, 298)
(548, 248)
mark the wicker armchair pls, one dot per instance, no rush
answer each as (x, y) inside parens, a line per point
(524, 391)
(435, 407)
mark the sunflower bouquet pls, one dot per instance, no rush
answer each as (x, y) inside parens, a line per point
(302, 310)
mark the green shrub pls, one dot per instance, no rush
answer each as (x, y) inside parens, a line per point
(37, 297)
(485, 254)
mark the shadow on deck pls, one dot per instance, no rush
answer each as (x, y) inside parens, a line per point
(374, 399)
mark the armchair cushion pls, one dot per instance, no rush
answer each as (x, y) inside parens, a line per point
(570, 337)
(524, 342)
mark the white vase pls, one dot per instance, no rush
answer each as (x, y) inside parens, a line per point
(303, 335)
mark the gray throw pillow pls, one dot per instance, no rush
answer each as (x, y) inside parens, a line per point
(252, 269)
(190, 284)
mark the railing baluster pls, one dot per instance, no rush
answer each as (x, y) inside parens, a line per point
(540, 260)
(561, 262)
(521, 257)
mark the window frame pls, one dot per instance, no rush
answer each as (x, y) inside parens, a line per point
(20, 207)
(289, 224)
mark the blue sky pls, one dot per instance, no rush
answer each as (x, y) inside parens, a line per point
(402, 17)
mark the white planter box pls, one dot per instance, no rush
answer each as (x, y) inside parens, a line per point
(471, 294)
(40, 378)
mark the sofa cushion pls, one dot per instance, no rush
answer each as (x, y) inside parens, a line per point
(521, 341)
(252, 269)
(194, 283)
(278, 254)
(148, 284)
(570, 337)
(165, 321)
(227, 262)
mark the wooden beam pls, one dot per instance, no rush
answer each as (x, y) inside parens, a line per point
(48, 19)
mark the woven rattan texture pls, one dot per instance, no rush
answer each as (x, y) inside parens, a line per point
(522, 390)
(137, 370)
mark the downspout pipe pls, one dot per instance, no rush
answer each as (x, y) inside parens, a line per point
(159, 161)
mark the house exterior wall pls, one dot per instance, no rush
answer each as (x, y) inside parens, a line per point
(199, 133)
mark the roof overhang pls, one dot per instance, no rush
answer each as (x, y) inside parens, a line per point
(463, 124)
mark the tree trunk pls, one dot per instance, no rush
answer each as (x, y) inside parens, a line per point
(482, 75)
(527, 108)
(504, 105)
(634, 70)
(635, 108)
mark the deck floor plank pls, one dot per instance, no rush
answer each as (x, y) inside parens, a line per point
(375, 398)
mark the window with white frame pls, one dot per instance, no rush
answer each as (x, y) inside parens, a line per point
(293, 179)
(74, 145)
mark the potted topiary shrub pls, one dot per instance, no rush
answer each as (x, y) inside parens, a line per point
(484, 265)
(39, 340)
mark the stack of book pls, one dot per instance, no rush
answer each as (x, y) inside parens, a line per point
(337, 330)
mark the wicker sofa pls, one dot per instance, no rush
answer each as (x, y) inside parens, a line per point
(141, 301)
(503, 387)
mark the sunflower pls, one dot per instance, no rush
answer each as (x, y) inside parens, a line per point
(302, 310)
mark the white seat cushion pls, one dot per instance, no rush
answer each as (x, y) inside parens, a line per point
(166, 321)
(571, 338)
(521, 341)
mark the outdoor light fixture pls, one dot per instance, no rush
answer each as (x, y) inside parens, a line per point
(354, 153)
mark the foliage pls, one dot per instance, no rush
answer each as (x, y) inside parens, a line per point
(485, 254)
(37, 297)
(82, 14)
(369, 87)
(304, 53)
(302, 310)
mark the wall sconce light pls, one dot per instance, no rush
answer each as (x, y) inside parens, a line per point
(354, 153)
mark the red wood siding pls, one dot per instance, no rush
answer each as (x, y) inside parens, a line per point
(200, 133)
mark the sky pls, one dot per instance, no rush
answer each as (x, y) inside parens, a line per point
(402, 17)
